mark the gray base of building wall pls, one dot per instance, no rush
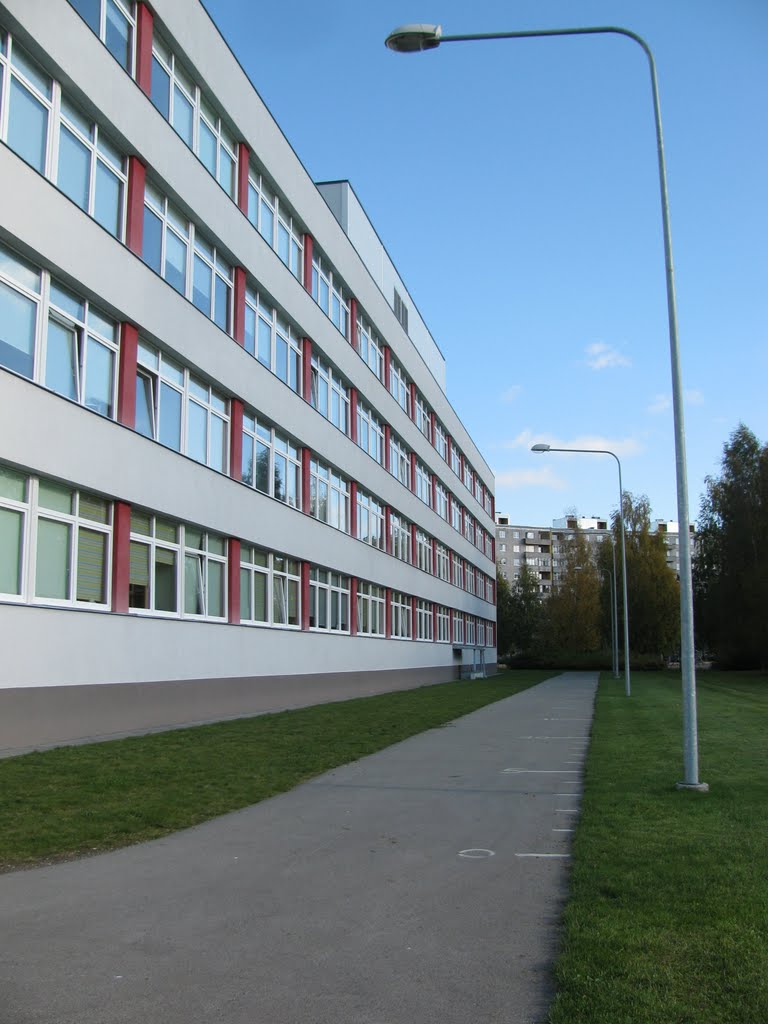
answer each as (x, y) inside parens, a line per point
(38, 717)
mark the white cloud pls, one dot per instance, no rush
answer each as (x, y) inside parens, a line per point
(516, 479)
(662, 402)
(627, 446)
(512, 393)
(602, 357)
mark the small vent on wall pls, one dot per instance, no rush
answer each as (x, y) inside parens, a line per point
(401, 311)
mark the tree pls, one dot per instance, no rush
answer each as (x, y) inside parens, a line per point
(731, 564)
(653, 591)
(574, 619)
(518, 612)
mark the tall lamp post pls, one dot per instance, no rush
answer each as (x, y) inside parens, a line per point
(412, 39)
(600, 451)
(612, 590)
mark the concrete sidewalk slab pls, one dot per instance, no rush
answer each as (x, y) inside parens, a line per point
(421, 884)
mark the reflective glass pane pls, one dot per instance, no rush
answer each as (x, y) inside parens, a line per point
(107, 208)
(265, 343)
(175, 262)
(193, 585)
(215, 592)
(91, 566)
(266, 223)
(206, 147)
(92, 507)
(165, 580)
(12, 484)
(250, 330)
(152, 245)
(280, 477)
(182, 115)
(55, 496)
(262, 467)
(89, 10)
(226, 172)
(202, 286)
(161, 88)
(31, 71)
(74, 174)
(260, 612)
(247, 461)
(281, 359)
(27, 126)
(61, 367)
(246, 611)
(283, 240)
(18, 316)
(118, 35)
(197, 432)
(170, 417)
(221, 305)
(99, 377)
(145, 404)
(218, 454)
(11, 532)
(53, 559)
(138, 585)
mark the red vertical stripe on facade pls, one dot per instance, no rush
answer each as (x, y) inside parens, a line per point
(413, 401)
(353, 414)
(306, 369)
(388, 613)
(306, 458)
(387, 364)
(353, 508)
(239, 301)
(134, 228)
(353, 339)
(126, 377)
(414, 552)
(387, 439)
(144, 31)
(236, 439)
(413, 472)
(434, 491)
(448, 446)
(233, 580)
(121, 556)
(388, 529)
(308, 245)
(434, 623)
(353, 605)
(432, 426)
(305, 595)
(243, 156)
(434, 557)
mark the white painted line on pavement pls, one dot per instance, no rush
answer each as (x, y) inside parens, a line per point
(566, 810)
(563, 829)
(562, 856)
(539, 771)
(476, 854)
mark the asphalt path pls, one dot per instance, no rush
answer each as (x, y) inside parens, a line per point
(421, 885)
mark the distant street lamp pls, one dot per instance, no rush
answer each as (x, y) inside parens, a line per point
(412, 39)
(614, 613)
(600, 451)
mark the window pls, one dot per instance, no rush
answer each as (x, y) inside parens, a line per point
(205, 571)
(441, 442)
(443, 625)
(502, 534)
(328, 601)
(329, 394)
(81, 346)
(370, 347)
(443, 567)
(269, 588)
(455, 460)
(273, 220)
(468, 475)
(90, 170)
(458, 628)
(469, 577)
(469, 527)
(176, 250)
(370, 433)
(370, 521)
(328, 496)
(272, 340)
(371, 609)
(423, 484)
(180, 410)
(424, 621)
(181, 102)
(55, 542)
(455, 514)
(399, 461)
(401, 311)
(441, 507)
(28, 102)
(423, 551)
(399, 386)
(114, 23)
(470, 633)
(423, 418)
(458, 571)
(402, 627)
(400, 537)
(20, 289)
(481, 633)
(154, 564)
(271, 462)
(329, 294)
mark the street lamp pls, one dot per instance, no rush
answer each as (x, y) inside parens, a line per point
(599, 451)
(413, 38)
(614, 614)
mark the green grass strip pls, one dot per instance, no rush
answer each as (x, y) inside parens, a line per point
(668, 917)
(74, 800)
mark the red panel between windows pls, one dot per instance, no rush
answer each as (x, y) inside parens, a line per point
(134, 229)
(353, 325)
(236, 439)
(308, 263)
(233, 580)
(243, 156)
(121, 555)
(126, 388)
(144, 31)
(353, 508)
(306, 369)
(353, 414)
(239, 302)
(306, 457)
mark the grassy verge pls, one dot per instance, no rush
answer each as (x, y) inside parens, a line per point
(668, 917)
(74, 800)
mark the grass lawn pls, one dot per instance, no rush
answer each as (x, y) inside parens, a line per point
(73, 800)
(668, 916)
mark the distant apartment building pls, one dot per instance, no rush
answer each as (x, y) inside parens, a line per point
(542, 548)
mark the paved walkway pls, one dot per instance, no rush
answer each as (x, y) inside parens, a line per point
(421, 885)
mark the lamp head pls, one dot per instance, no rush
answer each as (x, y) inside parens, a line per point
(540, 448)
(412, 38)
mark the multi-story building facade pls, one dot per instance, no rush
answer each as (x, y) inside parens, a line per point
(541, 549)
(227, 452)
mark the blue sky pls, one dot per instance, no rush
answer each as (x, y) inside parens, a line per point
(515, 186)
